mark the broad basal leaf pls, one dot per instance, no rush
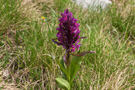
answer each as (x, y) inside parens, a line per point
(62, 83)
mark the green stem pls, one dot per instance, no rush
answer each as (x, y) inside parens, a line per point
(68, 65)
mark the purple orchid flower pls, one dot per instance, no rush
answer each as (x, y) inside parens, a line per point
(68, 32)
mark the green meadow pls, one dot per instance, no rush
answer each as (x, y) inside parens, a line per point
(27, 28)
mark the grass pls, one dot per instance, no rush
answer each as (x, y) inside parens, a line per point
(26, 48)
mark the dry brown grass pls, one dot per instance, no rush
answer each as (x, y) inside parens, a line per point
(32, 9)
(6, 86)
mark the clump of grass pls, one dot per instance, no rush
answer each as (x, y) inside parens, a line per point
(112, 62)
(37, 8)
(123, 19)
(16, 21)
(9, 15)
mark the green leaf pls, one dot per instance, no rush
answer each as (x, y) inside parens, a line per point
(74, 67)
(61, 67)
(62, 83)
(63, 64)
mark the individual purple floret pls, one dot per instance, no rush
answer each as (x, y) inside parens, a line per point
(68, 32)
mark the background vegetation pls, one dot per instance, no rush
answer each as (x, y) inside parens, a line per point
(27, 51)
